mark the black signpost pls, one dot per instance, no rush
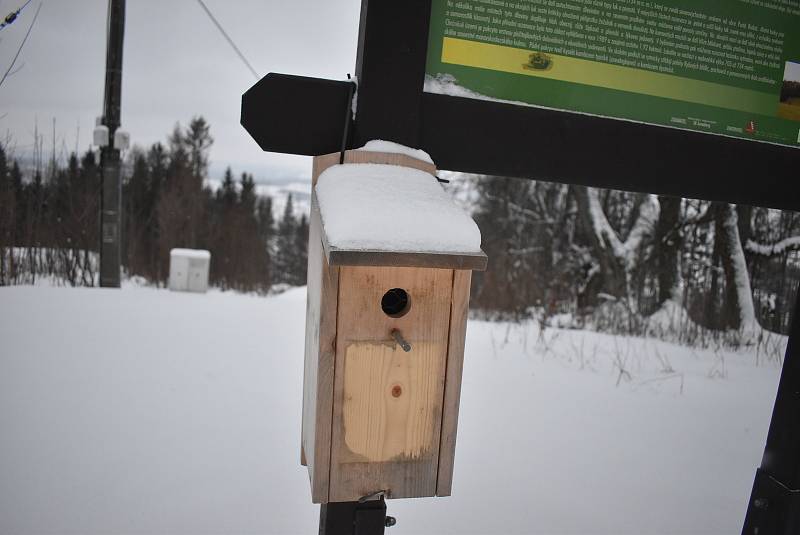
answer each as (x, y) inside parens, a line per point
(110, 158)
(312, 117)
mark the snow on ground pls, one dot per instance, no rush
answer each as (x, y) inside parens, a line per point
(150, 412)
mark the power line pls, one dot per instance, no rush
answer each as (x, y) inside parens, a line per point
(230, 41)
(11, 17)
(22, 43)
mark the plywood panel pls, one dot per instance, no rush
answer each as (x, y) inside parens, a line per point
(452, 393)
(371, 455)
(390, 399)
(320, 353)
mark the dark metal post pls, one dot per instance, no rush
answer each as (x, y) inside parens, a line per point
(111, 204)
(390, 67)
(354, 518)
(774, 507)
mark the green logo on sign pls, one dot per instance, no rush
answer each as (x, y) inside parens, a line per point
(539, 62)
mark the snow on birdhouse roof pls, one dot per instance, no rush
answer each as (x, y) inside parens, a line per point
(376, 214)
(190, 253)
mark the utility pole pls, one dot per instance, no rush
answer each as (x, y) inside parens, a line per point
(111, 205)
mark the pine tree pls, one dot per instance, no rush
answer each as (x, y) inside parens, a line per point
(253, 268)
(222, 239)
(8, 203)
(227, 193)
(285, 245)
(197, 141)
(266, 233)
(300, 264)
(247, 196)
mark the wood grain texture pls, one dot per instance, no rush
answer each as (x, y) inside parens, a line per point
(321, 163)
(455, 366)
(362, 323)
(389, 399)
(320, 354)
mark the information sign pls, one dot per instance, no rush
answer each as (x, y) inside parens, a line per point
(729, 67)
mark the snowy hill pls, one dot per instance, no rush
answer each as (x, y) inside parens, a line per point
(279, 191)
(145, 411)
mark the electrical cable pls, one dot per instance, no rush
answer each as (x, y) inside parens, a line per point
(230, 41)
(13, 61)
(11, 17)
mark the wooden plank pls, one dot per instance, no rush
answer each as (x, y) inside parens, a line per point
(365, 456)
(452, 393)
(459, 261)
(321, 163)
(389, 158)
(320, 353)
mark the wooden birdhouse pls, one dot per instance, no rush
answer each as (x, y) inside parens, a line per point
(390, 260)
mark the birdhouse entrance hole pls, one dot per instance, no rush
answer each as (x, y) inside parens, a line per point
(395, 303)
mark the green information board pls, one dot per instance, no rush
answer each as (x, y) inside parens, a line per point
(729, 67)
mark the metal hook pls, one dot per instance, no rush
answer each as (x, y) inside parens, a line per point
(374, 496)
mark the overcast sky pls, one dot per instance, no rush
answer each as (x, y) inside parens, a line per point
(175, 65)
(792, 72)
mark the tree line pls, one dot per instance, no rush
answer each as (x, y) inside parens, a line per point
(49, 222)
(611, 260)
(617, 260)
(790, 90)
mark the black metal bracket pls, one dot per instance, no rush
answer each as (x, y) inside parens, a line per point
(354, 518)
(348, 119)
(774, 508)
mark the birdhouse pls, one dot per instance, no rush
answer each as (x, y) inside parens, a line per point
(188, 270)
(390, 260)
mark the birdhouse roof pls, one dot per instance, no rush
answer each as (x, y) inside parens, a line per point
(377, 214)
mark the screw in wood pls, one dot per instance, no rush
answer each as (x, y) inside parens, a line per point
(398, 337)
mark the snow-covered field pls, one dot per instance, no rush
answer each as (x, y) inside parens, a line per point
(149, 412)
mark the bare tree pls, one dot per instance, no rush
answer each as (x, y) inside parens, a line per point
(618, 257)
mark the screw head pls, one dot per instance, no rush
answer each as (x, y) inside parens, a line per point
(761, 503)
(390, 521)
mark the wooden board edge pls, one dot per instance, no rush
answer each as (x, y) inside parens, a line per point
(459, 312)
(364, 257)
(321, 163)
(328, 288)
(325, 382)
(456, 261)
